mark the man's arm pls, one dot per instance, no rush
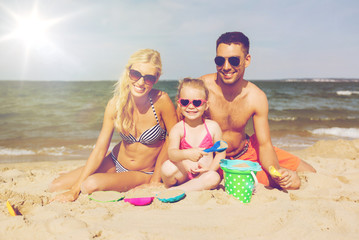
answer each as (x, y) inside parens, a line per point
(267, 154)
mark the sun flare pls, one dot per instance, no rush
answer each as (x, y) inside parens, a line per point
(30, 29)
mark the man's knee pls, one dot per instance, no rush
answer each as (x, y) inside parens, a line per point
(305, 167)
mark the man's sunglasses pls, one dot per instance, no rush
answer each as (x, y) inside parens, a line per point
(136, 75)
(195, 102)
(234, 61)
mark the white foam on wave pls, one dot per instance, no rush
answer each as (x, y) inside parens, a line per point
(336, 131)
(52, 151)
(347, 93)
(15, 152)
(86, 146)
(278, 119)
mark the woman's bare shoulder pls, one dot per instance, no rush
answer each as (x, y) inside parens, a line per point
(160, 98)
(158, 95)
(111, 107)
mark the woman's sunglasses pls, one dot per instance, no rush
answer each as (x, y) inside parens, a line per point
(195, 102)
(234, 61)
(136, 75)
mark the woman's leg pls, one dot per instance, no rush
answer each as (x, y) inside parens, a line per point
(120, 182)
(67, 180)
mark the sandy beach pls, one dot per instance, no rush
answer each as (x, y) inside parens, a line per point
(326, 206)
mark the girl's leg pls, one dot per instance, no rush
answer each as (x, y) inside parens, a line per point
(67, 180)
(205, 181)
(173, 174)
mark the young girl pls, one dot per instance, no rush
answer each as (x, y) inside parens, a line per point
(142, 115)
(189, 167)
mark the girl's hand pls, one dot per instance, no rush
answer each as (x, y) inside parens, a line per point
(68, 196)
(194, 168)
(200, 169)
(195, 154)
(189, 165)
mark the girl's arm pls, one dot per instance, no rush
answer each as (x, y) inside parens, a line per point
(217, 136)
(169, 117)
(97, 155)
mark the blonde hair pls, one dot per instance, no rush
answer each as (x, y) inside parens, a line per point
(124, 104)
(194, 83)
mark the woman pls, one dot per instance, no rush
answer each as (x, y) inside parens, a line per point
(142, 116)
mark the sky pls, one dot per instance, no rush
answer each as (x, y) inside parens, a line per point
(92, 40)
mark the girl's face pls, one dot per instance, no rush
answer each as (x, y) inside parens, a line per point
(142, 78)
(190, 111)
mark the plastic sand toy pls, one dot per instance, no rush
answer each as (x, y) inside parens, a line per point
(239, 178)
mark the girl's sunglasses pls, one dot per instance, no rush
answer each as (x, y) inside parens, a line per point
(136, 75)
(234, 61)
(195, 102)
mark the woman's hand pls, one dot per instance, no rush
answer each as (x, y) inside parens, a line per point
(68, 196)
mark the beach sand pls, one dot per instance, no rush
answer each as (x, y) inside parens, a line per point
(326, 206)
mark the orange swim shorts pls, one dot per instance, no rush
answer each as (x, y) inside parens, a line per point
(285, 159)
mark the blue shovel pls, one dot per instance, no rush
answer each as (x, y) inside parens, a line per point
(218, 146)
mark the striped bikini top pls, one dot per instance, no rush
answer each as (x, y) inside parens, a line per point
(148, 137)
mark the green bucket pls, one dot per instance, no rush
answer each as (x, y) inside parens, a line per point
(239, 181)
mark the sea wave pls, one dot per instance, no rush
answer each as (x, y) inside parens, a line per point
(319, 80)
(50, 151)
(278, 119)
(347, 93)
(71, 150)
(336, 131)
(15, 152)
(310, 119)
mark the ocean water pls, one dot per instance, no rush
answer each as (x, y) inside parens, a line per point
(41, 121)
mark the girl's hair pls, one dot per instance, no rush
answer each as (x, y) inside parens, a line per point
(194, 83)
(124, 104)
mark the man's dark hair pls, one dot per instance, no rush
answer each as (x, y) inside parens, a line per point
(236, 38)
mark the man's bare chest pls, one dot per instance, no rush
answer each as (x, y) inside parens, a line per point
(230, 115)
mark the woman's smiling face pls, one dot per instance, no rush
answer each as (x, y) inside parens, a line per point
(141, 87)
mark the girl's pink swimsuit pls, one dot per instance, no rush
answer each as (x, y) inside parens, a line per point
(206, 142)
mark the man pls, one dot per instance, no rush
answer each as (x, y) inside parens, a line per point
(233, 101)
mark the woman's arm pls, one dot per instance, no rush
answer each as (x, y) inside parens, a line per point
(97, 155)
(169, 117)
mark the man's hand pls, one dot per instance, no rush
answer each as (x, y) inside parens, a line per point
(288, 179)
